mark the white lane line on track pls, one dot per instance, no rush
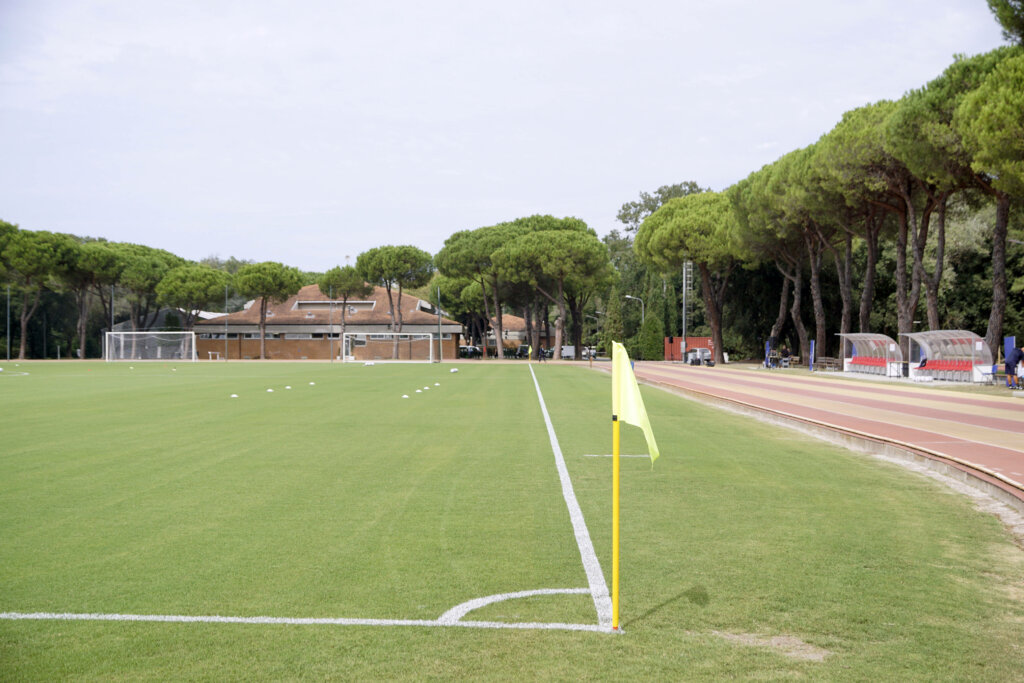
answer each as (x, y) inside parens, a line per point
(595, 577)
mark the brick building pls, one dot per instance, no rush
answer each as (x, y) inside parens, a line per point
(308, 326)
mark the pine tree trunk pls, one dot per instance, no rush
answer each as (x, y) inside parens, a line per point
(263, 328)
(26, 314)
(794, 311)
(846, 286)
(867, 294)
(931, 282)
(994, 333)
(83, 320)
(714, 302)
(780, 319)
(560, 323)
(499, 328)
(814, 249)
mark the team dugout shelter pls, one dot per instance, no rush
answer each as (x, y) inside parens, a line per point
(873, 354)
(308, 326)
(951, 355)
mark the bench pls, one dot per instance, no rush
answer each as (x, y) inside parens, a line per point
(874, 366)
(827, 363)
(952, 370)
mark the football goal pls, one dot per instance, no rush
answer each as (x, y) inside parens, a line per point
(414, 347)
(151, 345)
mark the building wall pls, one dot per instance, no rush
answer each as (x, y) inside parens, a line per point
(674, 346)
(313, 349)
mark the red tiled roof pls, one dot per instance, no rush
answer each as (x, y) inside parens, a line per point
(290, 311)
(512, 323)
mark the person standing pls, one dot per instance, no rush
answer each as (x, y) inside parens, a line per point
(1013, 359)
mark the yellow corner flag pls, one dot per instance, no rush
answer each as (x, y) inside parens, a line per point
(627, 404)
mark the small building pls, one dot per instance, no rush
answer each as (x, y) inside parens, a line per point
(676, 350)
(308, 326)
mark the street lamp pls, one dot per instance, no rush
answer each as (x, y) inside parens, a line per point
(636, 298)
(597, 321)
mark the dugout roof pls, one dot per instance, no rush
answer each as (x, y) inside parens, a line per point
(949, 345)
(870, 345)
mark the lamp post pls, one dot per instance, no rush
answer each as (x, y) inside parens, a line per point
(225, 323)
(597, 333)
(636, 298)
(330, 322)
(440, 352)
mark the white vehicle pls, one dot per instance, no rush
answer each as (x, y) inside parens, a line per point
(569, 352)
(699, 356)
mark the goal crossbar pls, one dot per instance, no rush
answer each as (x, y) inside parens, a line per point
(388, 347)
(150, 345)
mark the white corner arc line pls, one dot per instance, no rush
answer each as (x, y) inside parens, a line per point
(455, 614)
(595, 577)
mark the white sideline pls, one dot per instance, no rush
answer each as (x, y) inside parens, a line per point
(595, 577)
(294, 621)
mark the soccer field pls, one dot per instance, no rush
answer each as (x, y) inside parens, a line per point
(346, 531)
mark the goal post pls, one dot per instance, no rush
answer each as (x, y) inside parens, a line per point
(404, 347)
(150, 345)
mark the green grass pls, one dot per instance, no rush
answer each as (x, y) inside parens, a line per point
(150, 491)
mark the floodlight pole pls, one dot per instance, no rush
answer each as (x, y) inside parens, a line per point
(687, 271)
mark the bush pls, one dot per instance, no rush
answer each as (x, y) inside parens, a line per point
(651, 341)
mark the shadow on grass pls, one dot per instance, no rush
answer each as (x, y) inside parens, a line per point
(697, 595)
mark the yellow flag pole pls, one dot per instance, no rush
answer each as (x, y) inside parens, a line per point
(615, 522)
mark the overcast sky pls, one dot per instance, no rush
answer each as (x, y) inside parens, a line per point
(308, 131)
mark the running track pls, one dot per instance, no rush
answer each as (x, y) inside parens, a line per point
(979, 434)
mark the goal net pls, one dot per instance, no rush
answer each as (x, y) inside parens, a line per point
(415, 347)
(150, 346)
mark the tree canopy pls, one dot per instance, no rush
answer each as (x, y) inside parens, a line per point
(192, 288)
(1010, 15)
(632, 214)
(344, 284)
(701, 228)
(267, 281)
